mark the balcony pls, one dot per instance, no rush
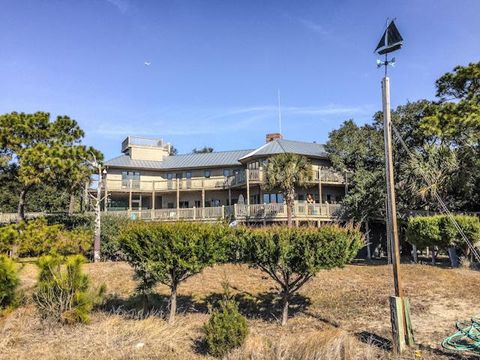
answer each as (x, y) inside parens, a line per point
(141, 141)
(326, 175)
(216, 183)
(243, 213)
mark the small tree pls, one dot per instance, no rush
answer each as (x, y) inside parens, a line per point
(286, 172)
(425, 231)
(171, 253)
(470, 226)
(8, 282)
(227, 328)
(292, 256)
(63, 291)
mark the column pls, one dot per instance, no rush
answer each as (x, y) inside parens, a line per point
(178, 196)
(247, 176)
(129, 197)
(153, 200)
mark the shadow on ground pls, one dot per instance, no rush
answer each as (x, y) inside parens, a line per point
(266, 306)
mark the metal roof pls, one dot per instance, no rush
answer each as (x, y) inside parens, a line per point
(221, 158)
(213, 159)
(280, 146)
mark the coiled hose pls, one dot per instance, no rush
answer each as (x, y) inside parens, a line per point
(467, 338)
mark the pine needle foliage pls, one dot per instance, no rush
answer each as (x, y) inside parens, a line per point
(226, 329)
(9, 282)
(63, 291)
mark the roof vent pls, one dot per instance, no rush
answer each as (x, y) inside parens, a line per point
(272, 137)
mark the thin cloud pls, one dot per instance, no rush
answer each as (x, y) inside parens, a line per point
(315, 27)
(121, 5)
(191, 122)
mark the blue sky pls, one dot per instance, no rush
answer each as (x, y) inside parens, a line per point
(216, 65)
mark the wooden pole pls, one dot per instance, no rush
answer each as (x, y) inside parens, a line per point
(320, 186)
(178, 197)
(247, 175)
(400, 329)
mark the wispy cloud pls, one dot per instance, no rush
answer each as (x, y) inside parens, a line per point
(315, 27)
(121, 5)
(218, 121)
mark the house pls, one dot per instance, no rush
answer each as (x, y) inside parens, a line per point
(149, 183)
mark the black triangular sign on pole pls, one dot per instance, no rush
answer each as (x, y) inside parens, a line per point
(391, 40)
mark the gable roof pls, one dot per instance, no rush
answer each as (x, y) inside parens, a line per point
(213, 159)
(280, 146)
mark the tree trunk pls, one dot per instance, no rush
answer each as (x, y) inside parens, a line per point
(433, 256)
(173, 304)
(452, 254)
(415, 253)
(367, 235)
(71, 205)
(285, 298)
(21, 205)
(289, 214)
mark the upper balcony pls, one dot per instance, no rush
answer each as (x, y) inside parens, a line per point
(214, 183)
(256, 176)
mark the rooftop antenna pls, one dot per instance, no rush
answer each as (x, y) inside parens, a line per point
(391, 41)
(279, 113)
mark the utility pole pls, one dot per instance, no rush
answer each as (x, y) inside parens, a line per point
(399, 305)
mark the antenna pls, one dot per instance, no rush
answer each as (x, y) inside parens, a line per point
(279, 113)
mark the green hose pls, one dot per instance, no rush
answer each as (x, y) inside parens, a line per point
(467, 338)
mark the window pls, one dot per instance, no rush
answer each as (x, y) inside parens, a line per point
(188, 174)
(132, 177)
(207, 173)
(216, 202)
(198, 203)
(273, 198)
(183, 204)
(169, 176)
(170, 205)
(227, 172)
(329, 198)
(178, 175)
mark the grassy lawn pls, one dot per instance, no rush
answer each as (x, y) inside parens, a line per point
(341, 314)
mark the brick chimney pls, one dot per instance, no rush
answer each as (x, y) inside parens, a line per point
(273, 136)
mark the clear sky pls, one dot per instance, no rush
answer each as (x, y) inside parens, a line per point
(216, 65)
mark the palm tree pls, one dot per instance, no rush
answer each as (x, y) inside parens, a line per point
(286, 172)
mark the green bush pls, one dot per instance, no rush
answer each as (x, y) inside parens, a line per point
(8, 282)
(292, 256)
(112, 226)
(36, 237)
(63, 291)
(470, 226)
(226, 329)
(170, 253)
(425, 231)
(71, 222)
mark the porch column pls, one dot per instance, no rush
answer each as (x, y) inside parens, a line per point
(178, 196)
(203, 199)
(153, 200)
(320, 186)
(229, 196)
(247, 175)
(129, 196)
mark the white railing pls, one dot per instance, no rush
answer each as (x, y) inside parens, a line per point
(267, 212)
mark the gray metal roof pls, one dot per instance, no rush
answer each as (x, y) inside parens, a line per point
(281, 146)
(220, 158)
(213, 159)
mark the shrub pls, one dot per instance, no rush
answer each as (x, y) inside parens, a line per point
(112, 226)
(424, 231)
(8, 282)
(71, 222)
(170, 253)
(292, 256)
(36, 237)
(227, 328)
(470, 226)
(63, 291)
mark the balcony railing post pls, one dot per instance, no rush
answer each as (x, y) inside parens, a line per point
(223, 212)
(235, 211)
(194, 213)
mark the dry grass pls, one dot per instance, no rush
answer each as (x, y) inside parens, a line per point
(341, 314)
